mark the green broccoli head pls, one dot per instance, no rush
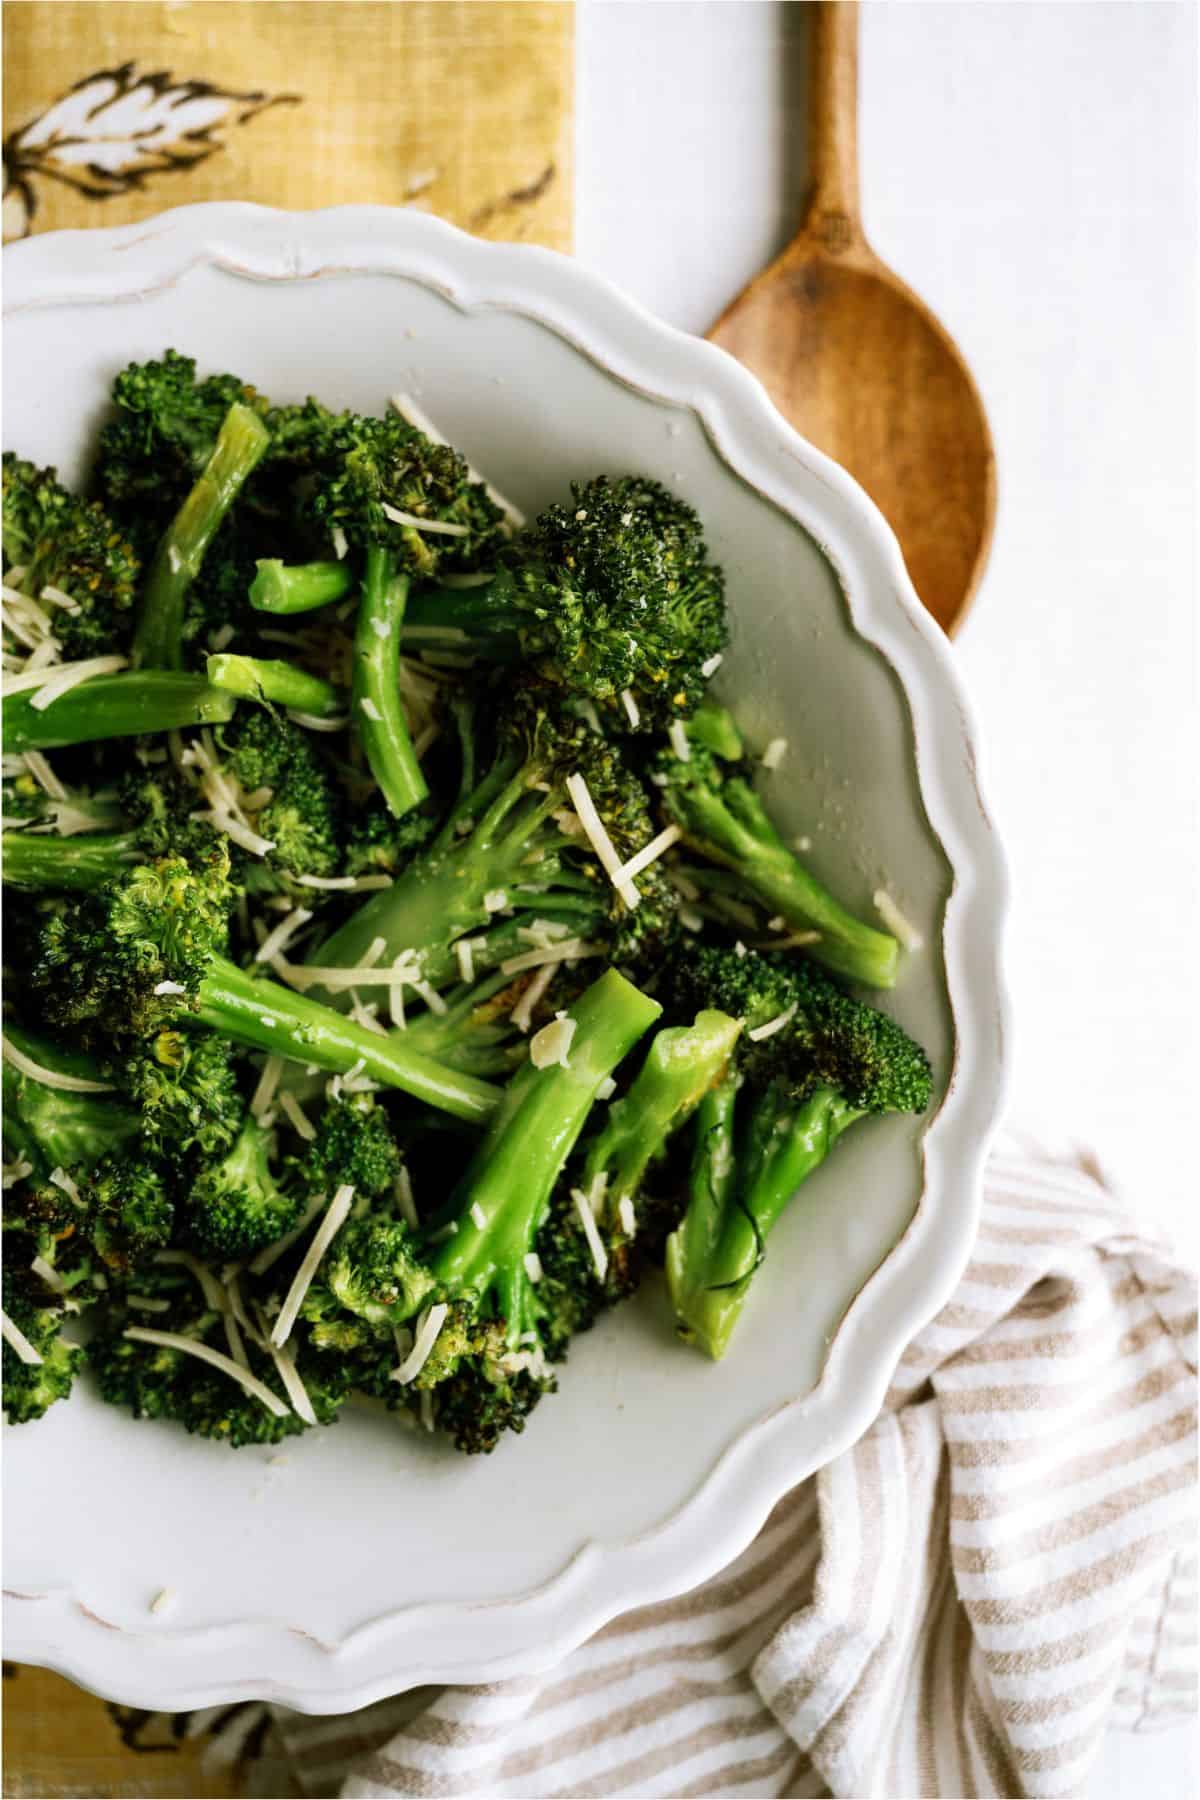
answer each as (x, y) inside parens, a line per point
(185, 1089)
(123, 962)
(161, 436)
(236, 1206)
(827, 1038)
(302, 817)
(156, 1381)
(373, 1272)
(31, 1387)
(72, 545)
(130, 1210)
(481, 1389)
(372, 468)
(377, 843)
(616, 596)
(354, 1146)
(158, 803)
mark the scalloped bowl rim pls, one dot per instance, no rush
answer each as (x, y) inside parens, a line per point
(525, 1632)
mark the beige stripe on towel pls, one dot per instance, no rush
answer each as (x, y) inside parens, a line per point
(962, 1604)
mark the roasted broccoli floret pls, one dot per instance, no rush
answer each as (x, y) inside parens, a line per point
(39, 1365)
(127, 963)
(513, 844)
(233, 1402)
(302, 818)
(73, 548)
(710, 797)
(236, 1206)
(828, 1061)
(354, 1146)
(611, 596)
(497, 1209)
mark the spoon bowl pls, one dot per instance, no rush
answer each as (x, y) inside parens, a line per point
(858, 363)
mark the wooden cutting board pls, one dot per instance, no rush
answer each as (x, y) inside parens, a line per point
(113, 112)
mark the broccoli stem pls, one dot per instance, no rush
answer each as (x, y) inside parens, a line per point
(533, 1130)
(267, 1016)
(735, 830)
(42, 860)
(140, 702)
(254, 678)
(734, 1203)
(682, 1064)
(378, 714)
(241, 441)
(484, 615)
(281, 587)
(441, 894)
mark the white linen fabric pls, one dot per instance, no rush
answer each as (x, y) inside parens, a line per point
(1001, 1568)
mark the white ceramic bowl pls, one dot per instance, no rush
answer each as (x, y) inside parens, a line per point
(368, 1559)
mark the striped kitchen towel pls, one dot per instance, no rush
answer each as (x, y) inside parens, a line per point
(1000, 1569)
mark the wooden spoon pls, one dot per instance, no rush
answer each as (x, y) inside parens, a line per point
(859, 365)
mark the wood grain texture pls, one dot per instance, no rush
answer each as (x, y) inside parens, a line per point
(859, 365)
(459, 107)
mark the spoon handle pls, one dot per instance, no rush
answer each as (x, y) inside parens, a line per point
(832, 214)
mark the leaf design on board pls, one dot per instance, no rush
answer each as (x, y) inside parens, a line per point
(115, 128)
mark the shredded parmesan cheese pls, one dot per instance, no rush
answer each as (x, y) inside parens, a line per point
(896, 922)
(406, 406)
(69, 1084)
(522, 1012)
(466, 963)
(631, 709)
(533, 1266)
(602, 844)
(16, 1339)
(340, 545)
(495, 900)
(171, 1340)
(145, 1303)
(210, 1287)
(369, 707)
(403, 1191)
(266, 1258)
(347, 884)
(241, 834)
(44, 775)
(549, 1047)
(778, 1023)
(51, 1277)
(59, 680)
(654, 849)
(293, 1387)
(444, 526)
(627, 1216)
(268, 1081)
(607, 1088)
(431, 1324)
(595, 1242)
(61, 1180)
(679, 740)
(566, 950)
(298, 1118)
(774, 753)
(277, 940)
(709, 668)
(335, 1217)
(479, 1216)
(314, 722)
(169, 987)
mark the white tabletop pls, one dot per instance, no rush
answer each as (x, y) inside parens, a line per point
(1030, 170)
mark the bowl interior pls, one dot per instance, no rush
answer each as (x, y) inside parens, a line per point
(639, 1422)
